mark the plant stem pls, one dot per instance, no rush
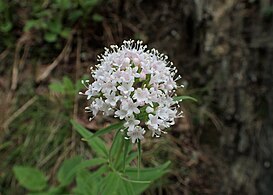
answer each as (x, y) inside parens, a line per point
(139, 157)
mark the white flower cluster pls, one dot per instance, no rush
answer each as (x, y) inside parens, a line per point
(135, 85)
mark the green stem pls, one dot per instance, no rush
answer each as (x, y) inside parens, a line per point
(139, 157)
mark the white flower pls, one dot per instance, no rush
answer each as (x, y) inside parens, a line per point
(131, 122)
(135, 85)
(126, 88)
(108, 87)
(112, 99)
(121, 113)
(127, 75)
(136, 134)
(141, 95)
(153, 122)
(130, 106)
(89, 92)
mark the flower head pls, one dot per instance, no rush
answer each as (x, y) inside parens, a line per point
(135, 85)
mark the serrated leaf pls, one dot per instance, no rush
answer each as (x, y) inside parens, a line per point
(183, 97)
(96, 144)
(30, 178)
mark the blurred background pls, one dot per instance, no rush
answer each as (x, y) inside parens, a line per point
(223, 50)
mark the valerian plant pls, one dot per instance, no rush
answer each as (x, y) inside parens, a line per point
(138, 87)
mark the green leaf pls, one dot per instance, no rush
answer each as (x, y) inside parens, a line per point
(31, 24)
(51, 191)
(71, 167)
(30, 178)
(181, 98)
(68, 85)
(41, 193)
(131, 157)
(111, 183)
(65, 33)
(63, 4)
(97, 17)
(126, 188)
(79, 86)
(55, 26)
(50, 37)
(92, 162)
(86, 4)
(87, 183)
(57, 87)
(56, 190)
(146, 174)
(68, 170)
(6, 27)
(97, 144)
(3, 6)
(105, 130)
(75, 15)
(116, 149)
(127, 147)
(138, 157)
